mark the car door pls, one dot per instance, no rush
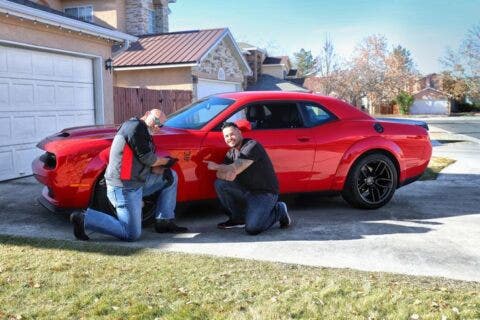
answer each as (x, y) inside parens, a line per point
(279, 127)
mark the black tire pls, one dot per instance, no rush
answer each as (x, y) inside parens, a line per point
(371, 182)
(101, 203)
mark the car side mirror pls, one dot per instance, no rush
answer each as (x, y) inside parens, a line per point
(244, 125)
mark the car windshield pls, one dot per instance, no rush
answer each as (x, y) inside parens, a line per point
(198, 114)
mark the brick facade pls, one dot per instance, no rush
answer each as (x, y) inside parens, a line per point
(137, 16)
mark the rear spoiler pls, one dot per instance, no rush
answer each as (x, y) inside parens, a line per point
(420, 123)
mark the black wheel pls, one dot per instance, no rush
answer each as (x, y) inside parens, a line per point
(101, 203)
(371, 182)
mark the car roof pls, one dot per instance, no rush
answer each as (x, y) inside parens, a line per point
(342, 109)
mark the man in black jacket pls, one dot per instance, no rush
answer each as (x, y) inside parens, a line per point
(134, 171)
(247, 186)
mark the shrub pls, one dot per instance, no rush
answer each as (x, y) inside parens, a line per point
(404, 101)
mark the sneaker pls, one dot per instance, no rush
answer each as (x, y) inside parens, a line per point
(77, 218)
(285, 220)
(168, 226)
(229, 224)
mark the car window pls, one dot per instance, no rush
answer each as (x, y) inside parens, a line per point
(315, 115)
(270, 115)
(198, 114)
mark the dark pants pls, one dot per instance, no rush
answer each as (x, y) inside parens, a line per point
(258, 210)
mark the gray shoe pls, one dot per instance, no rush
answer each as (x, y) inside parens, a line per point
(285, 220)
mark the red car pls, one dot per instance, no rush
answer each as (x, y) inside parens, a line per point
(316, 143)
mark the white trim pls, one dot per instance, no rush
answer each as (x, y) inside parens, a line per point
(97, 64)
(220, 81)
(22, 11)
(237, 50)
(177, 65)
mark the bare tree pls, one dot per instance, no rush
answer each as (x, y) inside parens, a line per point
(463, 65)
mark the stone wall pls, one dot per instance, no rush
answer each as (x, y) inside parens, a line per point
(220, 57)
(161, 17)
(137, 16)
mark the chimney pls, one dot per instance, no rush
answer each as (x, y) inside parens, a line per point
(161, 15)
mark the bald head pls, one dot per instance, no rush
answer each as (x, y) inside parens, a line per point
(154, 119)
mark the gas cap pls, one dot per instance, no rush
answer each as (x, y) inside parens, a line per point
(378, 127)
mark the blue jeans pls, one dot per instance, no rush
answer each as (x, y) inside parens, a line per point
(258, 210)
(128, 204)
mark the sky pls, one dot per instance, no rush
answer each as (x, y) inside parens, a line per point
(425, 27)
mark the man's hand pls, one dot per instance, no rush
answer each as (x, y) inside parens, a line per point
(227, 175)
(212, 165)
(158, 170)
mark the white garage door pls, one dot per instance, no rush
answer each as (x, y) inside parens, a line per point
(40, 94)
(429, 107)
(207, 87)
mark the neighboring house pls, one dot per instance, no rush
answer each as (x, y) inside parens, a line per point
(277, 67)
(52, 76)
(430, 101)
(254, 56)
(204, 61)
(267, 82)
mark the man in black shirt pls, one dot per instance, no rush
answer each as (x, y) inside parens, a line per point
(247, 185)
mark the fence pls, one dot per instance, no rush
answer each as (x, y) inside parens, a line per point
(129, 102)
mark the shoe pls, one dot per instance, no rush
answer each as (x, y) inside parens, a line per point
(168, 226)
(285, 220)
(77, 218)
(229, 224)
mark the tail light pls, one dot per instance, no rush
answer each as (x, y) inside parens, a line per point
(49, 160)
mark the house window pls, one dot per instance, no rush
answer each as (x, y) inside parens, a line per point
(83, 13)
(151, 21)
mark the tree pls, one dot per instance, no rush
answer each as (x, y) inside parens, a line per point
(328, 67)
(463, 65)
(400, 72)
(404, 100)
(305, 63)
(368, 67)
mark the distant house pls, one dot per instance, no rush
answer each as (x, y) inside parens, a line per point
(52, 76)
(203, 61)
(431, 101)
(278, 67)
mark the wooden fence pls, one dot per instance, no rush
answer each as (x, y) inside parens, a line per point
(130, 102)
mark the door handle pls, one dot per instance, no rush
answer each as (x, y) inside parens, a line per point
(303, 139)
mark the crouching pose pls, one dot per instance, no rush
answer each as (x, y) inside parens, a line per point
(247, 185)
(134, 171)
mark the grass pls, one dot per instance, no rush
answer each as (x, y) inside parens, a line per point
(46, 279)
(436, 165)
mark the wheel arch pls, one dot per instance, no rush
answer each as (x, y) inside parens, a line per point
(364, 148)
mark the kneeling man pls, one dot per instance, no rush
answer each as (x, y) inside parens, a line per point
(247, 185)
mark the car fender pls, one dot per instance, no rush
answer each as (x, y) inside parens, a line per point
(359, 148)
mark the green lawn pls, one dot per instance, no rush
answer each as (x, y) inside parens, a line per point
(73, 280)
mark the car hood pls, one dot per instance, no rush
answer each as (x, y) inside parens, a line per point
(93, 134)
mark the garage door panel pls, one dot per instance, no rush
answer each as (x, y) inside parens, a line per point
(23, 128)
(84, 97)
(40, 94)
(23, 159)
(82, 70)
(5, 129)
(65, 96)
(207, 87)
(4, 94)
(45, 95)
(64, 68)
(21, 96)
(43, 64)
(3, 60)
(19, 61)
(7, 170)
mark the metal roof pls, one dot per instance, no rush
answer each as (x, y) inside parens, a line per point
(170, 48)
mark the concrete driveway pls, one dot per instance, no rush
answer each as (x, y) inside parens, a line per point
(429, 228)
